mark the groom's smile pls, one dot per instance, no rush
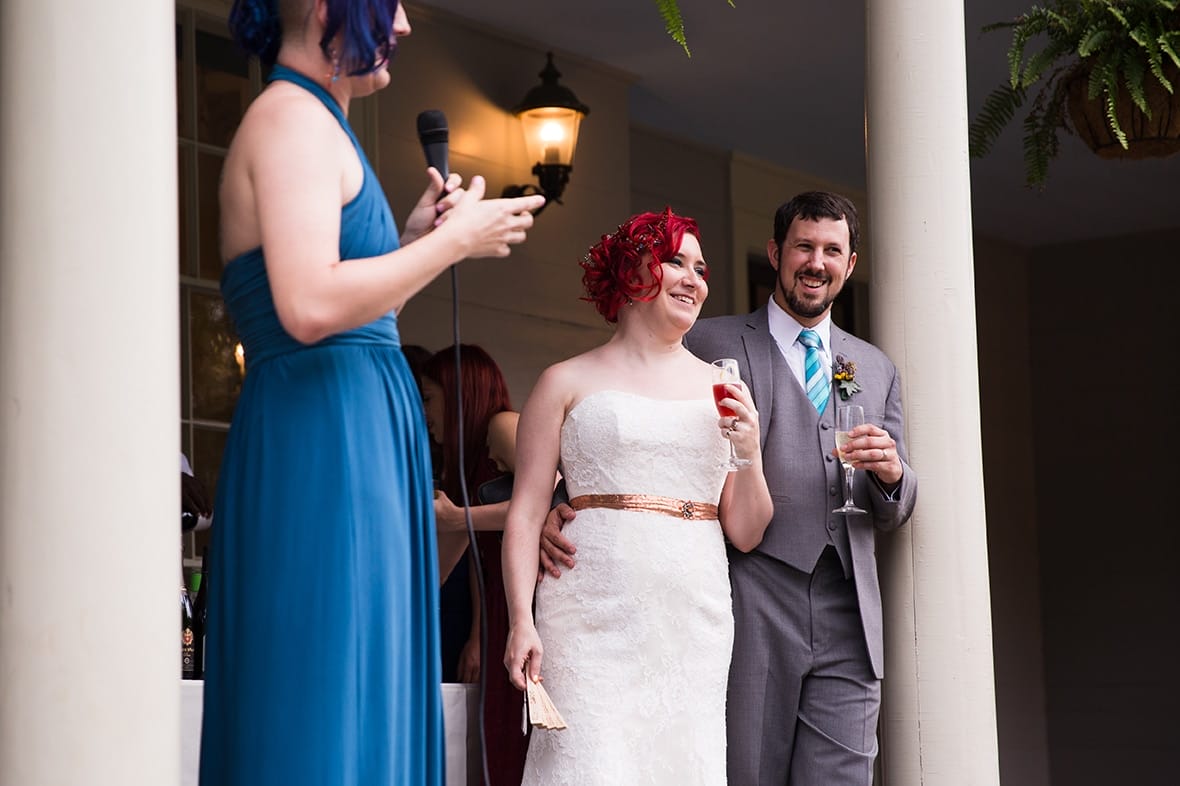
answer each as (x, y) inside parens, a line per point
(813, 263)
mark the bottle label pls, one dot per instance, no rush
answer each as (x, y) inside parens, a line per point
(187, 661)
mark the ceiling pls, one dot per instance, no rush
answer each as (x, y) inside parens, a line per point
(784, 81)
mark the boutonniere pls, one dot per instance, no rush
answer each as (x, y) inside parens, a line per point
(844, 375)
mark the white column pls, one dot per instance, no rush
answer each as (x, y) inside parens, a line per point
(89, 487)
(938, 716)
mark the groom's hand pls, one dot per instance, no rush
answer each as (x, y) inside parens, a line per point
(871, 448)
(555, 547)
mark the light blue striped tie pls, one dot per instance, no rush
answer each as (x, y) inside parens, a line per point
(819, 389)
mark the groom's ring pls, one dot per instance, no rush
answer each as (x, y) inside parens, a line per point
(884, 454)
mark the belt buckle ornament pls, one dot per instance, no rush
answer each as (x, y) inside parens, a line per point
(687, 509)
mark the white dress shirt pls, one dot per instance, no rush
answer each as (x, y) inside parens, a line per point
(785, 330)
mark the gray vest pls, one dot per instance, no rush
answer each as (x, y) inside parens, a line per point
(805, 481)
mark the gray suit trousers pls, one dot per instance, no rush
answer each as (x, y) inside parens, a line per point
(801, 675)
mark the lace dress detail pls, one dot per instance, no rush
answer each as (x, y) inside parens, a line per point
(638, 636)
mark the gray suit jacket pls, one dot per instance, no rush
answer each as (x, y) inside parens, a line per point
(805, 486)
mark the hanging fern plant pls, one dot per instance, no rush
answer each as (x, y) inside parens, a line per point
(674, 22)
(1118, 57)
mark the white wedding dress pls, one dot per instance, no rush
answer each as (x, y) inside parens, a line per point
(638, 635)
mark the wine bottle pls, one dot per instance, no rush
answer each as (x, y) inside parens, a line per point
(187, 661)
(199, 603)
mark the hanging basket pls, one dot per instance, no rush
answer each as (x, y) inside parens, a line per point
(1157, 136)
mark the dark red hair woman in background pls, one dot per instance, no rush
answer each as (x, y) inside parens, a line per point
(489, 450)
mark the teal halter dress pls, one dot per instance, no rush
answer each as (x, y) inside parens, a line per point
(322, 662)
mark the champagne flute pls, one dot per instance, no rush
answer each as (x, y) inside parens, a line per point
(847, 418)
(725, 372)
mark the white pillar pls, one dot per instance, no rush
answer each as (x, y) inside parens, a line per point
(938, 716)
(89, 487)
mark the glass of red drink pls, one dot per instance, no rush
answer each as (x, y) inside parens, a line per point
(725, 372)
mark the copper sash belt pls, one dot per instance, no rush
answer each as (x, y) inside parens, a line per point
(649, 503)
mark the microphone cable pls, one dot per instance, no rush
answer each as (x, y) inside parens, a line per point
(473, 545)
(434, 136)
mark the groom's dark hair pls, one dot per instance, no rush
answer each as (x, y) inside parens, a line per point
(812, 206)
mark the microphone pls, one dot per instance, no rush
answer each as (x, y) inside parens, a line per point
(432, 133)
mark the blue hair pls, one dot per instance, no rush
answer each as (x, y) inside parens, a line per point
(366, 28)
(368, 39)
(256, 27)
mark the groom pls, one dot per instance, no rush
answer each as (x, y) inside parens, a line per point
(805, 679)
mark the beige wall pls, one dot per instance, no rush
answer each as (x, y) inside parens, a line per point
(694, 181)
(757, 188)
(524, 310)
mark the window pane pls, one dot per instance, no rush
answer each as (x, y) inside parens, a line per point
(185, 333)
(183, 119)
(184, 182)
(217, 376)
(208, 176)
(223, 88)
(760, 277)
(208, 446)
(186, 442)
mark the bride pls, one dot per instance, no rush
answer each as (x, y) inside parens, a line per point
(634, 646)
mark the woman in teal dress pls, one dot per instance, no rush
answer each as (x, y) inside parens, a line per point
(322, 647)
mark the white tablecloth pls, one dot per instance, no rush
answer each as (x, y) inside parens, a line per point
(460, 713)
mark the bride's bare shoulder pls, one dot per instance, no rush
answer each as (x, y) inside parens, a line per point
(568, 381)
(566, 374)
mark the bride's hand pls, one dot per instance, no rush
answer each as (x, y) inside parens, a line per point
(523, 651)
(743, 430)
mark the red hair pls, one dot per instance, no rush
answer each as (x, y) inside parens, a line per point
(614, 266)
(485, 393)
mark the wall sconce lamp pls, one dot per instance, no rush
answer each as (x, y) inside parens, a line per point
(550, 115)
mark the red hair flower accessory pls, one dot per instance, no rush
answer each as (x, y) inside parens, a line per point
(614, 265)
